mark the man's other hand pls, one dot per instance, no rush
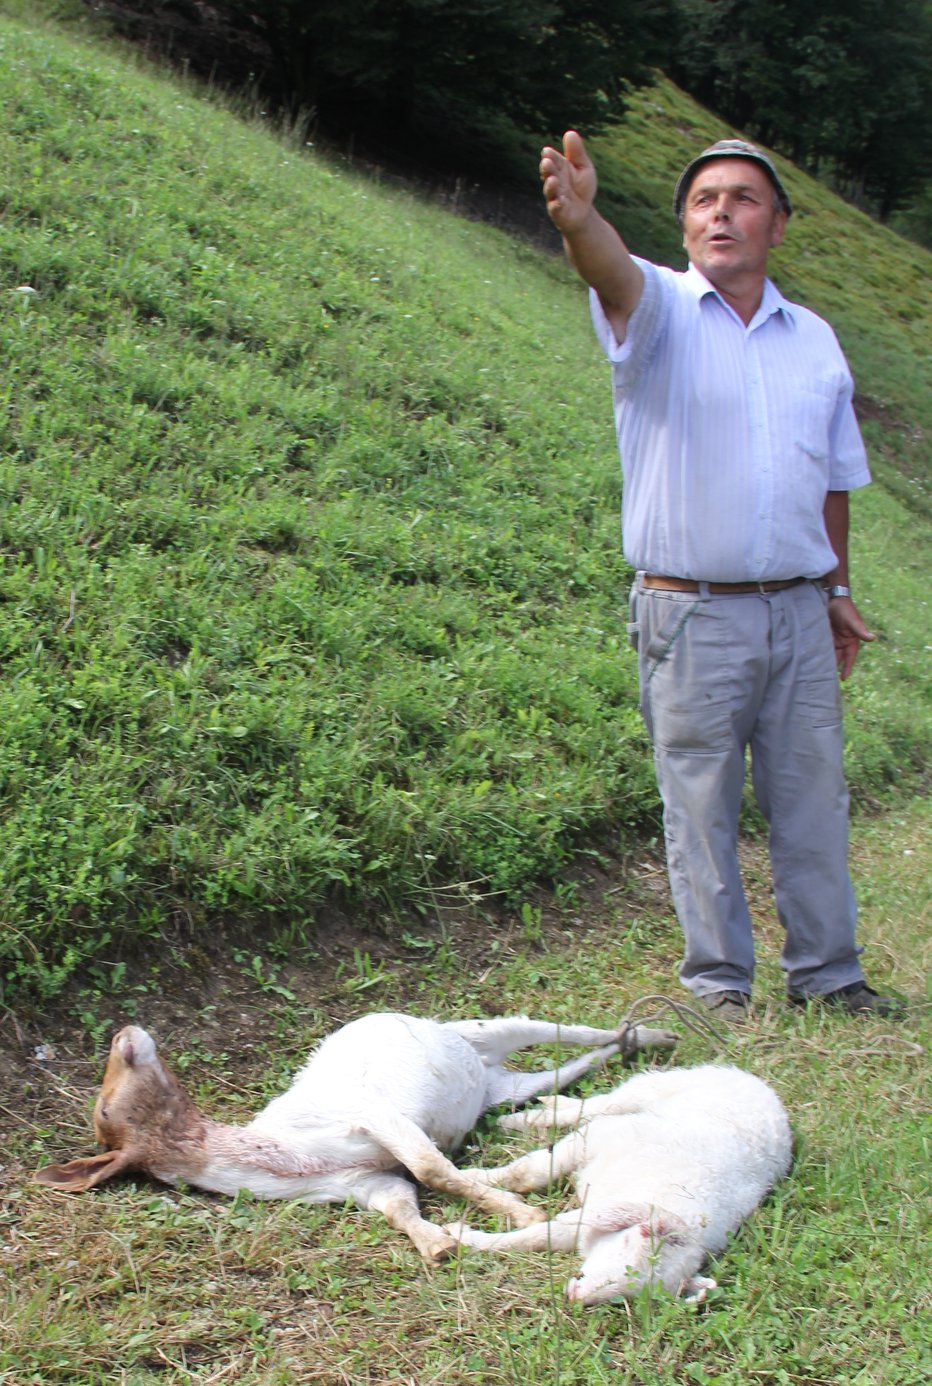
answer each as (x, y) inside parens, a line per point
(848, 633)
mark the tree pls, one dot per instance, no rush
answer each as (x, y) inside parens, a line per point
(443, 71)
(843, 87)
(454, 73)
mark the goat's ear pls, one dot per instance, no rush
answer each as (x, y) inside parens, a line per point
(78, 1175)
(666, 1227)
(611, 1220)
(655, 1226)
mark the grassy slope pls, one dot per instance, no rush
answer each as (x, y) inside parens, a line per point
(310, 570)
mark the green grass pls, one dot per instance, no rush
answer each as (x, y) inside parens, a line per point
(309, 559)
(825, 1285)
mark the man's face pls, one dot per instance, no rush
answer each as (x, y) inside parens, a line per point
(730, 221)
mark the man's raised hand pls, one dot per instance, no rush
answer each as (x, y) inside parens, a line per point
(569, 182)
(593, 246)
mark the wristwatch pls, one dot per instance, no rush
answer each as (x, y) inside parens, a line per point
(839, 591)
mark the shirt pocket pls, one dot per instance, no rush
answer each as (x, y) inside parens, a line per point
(813, 409)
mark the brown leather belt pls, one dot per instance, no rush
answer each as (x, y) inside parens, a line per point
(736, 589)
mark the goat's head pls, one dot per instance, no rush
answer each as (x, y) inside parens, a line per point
(620, 1263)
(141, 1112)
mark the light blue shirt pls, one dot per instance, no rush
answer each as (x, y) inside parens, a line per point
(730, 436)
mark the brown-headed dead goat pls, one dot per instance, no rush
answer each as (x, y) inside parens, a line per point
(379, 1099)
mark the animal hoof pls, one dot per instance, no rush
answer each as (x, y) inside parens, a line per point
(441, 1250)
(525, 1214)
(636, 1037)
(512, 1122)
(699, 1287)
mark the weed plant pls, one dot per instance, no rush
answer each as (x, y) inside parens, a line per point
(309, 553)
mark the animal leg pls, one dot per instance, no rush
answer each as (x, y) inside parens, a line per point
(396, 1199)
(418, 1154)
(560, 1234)
(504, 1085)
(539, 1168)
(633, 1095)
(550, 1113)
(494, 1040)
(553, 1112)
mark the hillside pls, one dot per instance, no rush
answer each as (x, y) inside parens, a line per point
(310, 571)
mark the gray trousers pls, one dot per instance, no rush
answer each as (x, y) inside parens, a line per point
(720, 674)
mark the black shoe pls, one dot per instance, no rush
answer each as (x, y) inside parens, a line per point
(855, 999)
(727, 1005)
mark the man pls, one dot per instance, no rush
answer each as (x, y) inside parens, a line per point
(739, 446)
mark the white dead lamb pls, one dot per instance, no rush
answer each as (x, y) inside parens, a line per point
(381, 1096)
(664, 1167)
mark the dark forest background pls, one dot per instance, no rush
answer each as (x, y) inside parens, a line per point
(841, 87)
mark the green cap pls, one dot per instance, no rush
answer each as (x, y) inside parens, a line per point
(729, 149)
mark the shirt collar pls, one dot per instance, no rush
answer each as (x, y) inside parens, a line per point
(772, 301)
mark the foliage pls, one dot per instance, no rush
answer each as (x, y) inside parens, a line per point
(915, 219)
(842, 88)
(439, 72)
